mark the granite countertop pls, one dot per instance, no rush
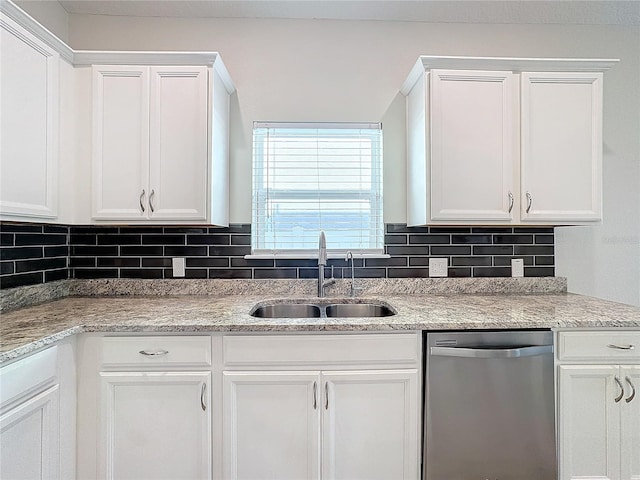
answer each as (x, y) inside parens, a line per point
(29, 328)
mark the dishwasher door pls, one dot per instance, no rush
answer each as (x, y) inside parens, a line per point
(489, 406)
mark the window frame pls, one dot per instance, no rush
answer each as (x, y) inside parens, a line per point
(374, 197)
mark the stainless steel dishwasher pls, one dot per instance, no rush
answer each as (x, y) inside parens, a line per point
(489, 406)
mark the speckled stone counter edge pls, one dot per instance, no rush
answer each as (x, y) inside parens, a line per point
(14, 298)
(11, 299)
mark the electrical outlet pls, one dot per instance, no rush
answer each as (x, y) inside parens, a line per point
(178, 267)
(517, 267)
(438, 267)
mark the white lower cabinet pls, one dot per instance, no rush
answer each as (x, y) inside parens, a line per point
(598, 407)
(368, 423)
(145, 407)
(272, 425)
(29, 436)
(345, 419)
(37, 415)
(156, 425)
(229, 407)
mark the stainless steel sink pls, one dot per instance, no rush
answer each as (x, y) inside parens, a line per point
(358, 310)
(310, 310)
(287, 310)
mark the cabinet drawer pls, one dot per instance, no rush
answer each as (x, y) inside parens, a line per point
(308, 350)
(139, 352)
(602, 346)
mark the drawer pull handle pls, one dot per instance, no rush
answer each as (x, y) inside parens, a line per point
(619, 397)
(157, 353)
(202, 392)
(621, 347)
(633, 390)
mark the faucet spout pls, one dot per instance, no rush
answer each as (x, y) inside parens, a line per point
(322, 262)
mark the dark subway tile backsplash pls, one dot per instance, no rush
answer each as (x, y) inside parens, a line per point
(34, 253)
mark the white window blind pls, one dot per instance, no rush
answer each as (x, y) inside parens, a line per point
(313, 177)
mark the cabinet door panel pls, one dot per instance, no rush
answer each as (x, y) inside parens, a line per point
(561, 146)
(29, 439)
(472, 145)
(370, 425)
(120, 142)
(179, 143)
(29, 130)
(154, 425)
(271, 427)
(630, 423)
(589, 422)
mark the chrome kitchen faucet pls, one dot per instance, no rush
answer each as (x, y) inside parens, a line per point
(322, 262)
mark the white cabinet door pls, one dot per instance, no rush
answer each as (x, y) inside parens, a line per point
(29, 439)
(179, 143)
(589, 422)
(472, 145)
(630, 406)
(150, 143)
(120, 142)
(370, 425)
(561, 149)
(271, 425)
(155, 425)
(29, 128)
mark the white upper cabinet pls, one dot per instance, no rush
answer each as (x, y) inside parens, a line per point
(160, 144)
(120, 142)
(156, 124)
(178, 143)
(472, 138)
(561, 148)
(504, 141)
(29, 128)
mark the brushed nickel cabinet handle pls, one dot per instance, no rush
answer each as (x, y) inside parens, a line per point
(633, 390)
(153, 192)
(510, 202)
(202, 392)
(619, 397)
(315, 395)
(621, 347)
(157, 353)
(529, 201)
(326, 395)
(140, 200)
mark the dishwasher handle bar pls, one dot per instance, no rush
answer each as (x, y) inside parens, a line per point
(506, 352)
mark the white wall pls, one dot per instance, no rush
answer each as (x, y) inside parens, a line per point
(323, 70)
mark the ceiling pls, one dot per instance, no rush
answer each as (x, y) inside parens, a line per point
(602, 12)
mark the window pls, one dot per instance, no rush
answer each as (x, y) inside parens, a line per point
(313, 177)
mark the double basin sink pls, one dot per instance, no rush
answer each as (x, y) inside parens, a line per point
(306, 309)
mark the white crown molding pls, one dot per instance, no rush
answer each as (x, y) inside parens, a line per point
(83, 58)
(15, 13)
(516, 65)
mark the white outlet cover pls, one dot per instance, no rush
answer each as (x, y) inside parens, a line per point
(178, 267)
(438, 267)
(517, 267)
